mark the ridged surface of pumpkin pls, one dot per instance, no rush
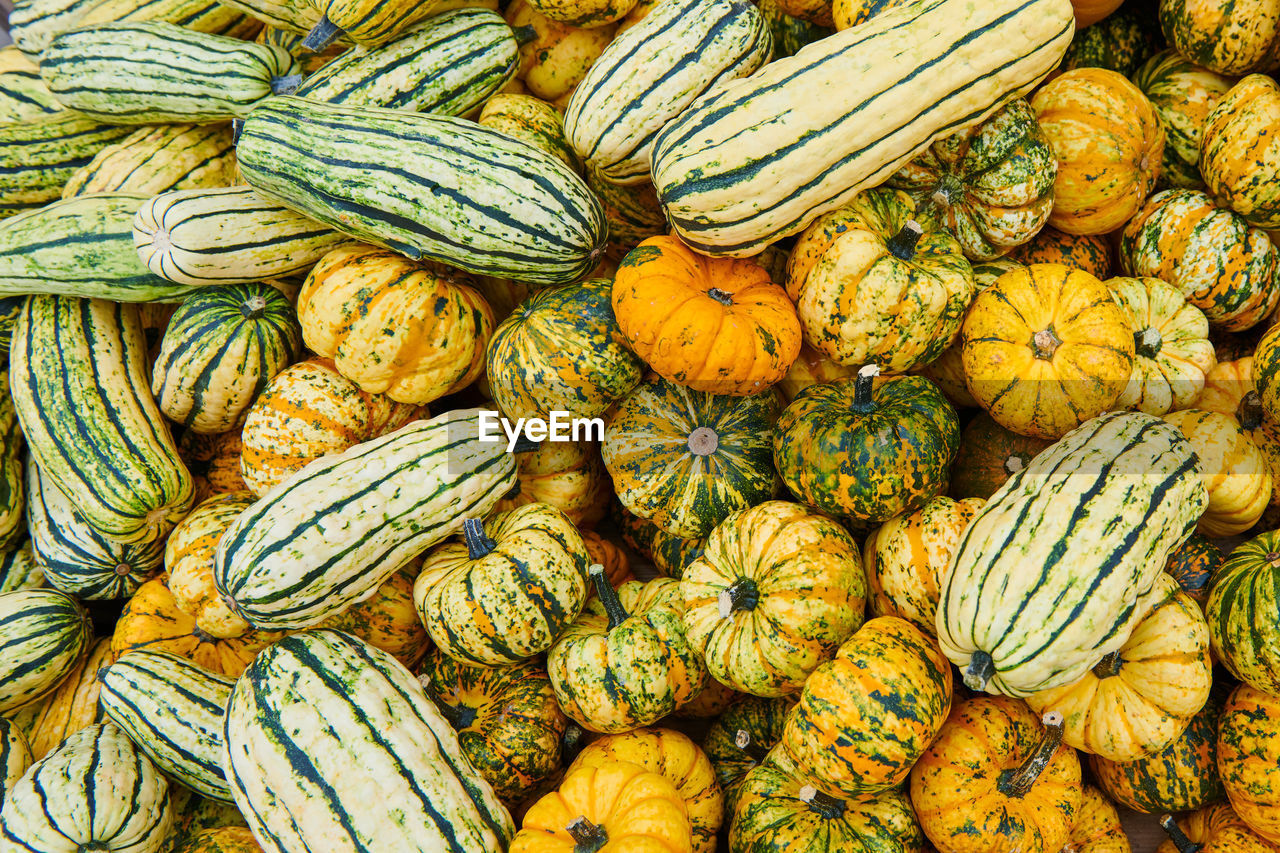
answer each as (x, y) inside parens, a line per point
(1121, 42)
(225, 839)
(388, 619)
(989, 455)
(1194, 564)
(1243, 611)
(1236, 474)
(1097, 828)
(567, 475)
(1172, 352)
(1183, 94)
(157, 159)
(72, 706)
(188, 557)
(1239, 159)
(1248, 750)
(1218, 829)
(670, 554)
(740, 738)
(1233, 38)
(559, 55)
(1088, 252)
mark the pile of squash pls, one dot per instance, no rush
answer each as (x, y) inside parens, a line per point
(923, 365)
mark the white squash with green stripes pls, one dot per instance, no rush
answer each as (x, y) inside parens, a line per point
(43, 633)
(15, 755)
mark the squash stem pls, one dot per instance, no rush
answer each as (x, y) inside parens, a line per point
(703, 441)
(478, 545)
(1045, 343)
(720, 296)
(1179, 838)
(1249, 412)
(980, 670)
(862, 387)
(322, 35)
(903, 244)
(237, 127)
(1109, 666)
(1016, 783)
(286, 85)
(459, 716)
(1148, 342)
(253, 308)
(742, 594)
(608, 597)
(826, 806)
(587, 836)
(525, 34)
(742, 740)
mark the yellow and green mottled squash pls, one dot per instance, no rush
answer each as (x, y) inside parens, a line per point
(1230, 389)
(388, 619)
(226, 839)
(1236, 474)
(791, 33)
(160, 158)
(866, 716)
(1214, 829)
(188, 558)
(1097, 828)
(1222, 265)
(633, 211)
(776, 591)
(711, 701)
(686, 459)
(1088, 252)
(989, 455)
(567, 475)
(1244, 612)
(1239, 157)
(1194, 564)
(1183, 95)
(214, 461)
(906, 557)
(1172, 352)
(874, 282)
(850, 13)
(561, 350)
(558, 55)
(15, 755)
(1248, 754)
(72, 706)
(505, 593)
(1120, 42)
(670, 554)
(584, 13)
(1230, 38)
(534, 121)
(509, 725)
(193, 814)
(740, 739)
(992, 183)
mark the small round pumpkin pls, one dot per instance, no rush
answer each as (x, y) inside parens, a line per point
(188, 557)
(568, 475)
(1248, 754)
(711, 701)
(617, 566)
(1244, 612)
(776, 591)
(670, 554)
(386, 620)
(1108, 142)
(717, 325)
(1230, 38)
(1045, 348)
(531, 120)
(1183, 95)
(1239, 154)
(1193, 565)
(1236, 474)
(1090, 253)
(214, 461)
(1121, 42)
(1097, 828)
(1214, 829)
(989, 455)
(740, 739)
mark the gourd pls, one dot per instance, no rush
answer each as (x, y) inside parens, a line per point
(15, 755)
(1089, 12)
(739, 740)
(156, 159)
(989, 455)
(811, 368)
(632, 211)
(1097, 828)
(45, 633)
(1213, 829)
(1237, 159)
(1172, 352)
(1236, 474)
(1090, 253)
(72, 706)
(568, 475)
(388, 619)
(1193, 565)
(188, 558)
(532, 120)
(1183, 94)
(225, 839)
(670, 554)
(39, 156)
(610, 555)
(1121, 42)
(1242, 612)
(1233, 39)
(558, 56)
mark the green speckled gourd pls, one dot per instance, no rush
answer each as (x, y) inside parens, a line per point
(1183, 95)
(670, 554)
(740, 739)
(1122, 41)
(1244, 612)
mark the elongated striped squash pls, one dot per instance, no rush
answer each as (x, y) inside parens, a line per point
(77, 559)
(19, 569)
(333, 532)
(317, 765)
(80, 388)
(12, 490)
(431, 187)
(35, 22)
(759, 158)
(44, 633)
(23, 95)
(1050, 575)
(173, 709)
(96, 792)
(15, 755)
(448, 66)
(80, 247)
(367, 22)
(37, 157)
(226, 235)
(294, 16)
(652, 72)
(158, 159)
(148, 73)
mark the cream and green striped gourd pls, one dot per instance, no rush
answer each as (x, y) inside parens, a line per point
(23, 95)
(19, 569)
(305, 747)
(13, 501)
(759, 158)
(157, 159)
(33, 23)
(1050, 575)
(78, 371)
(15, 755)
(44, 633)
(39, 156)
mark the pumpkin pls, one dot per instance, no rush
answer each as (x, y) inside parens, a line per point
(1046, 348)
(676, 758)
(505, 592)
(393, 326)
(775, 593)
(816, 11)
(1089, 12)
(561, 350)
(1244, 612)
(226, 839)
(1266, 372)
(740, 739)
(193, 814)
(812, 367)
(567, 475)
(848, 449)
(1239, 160)
(907, 555)
(188, 558)
(507, 720)
(616, 803)
(1120, 42)
(874, 284)
(1088, 252)
(1108, 142)
(686, 459)
(1193, 565)
(790, 34)
(1222, 265)
(617, 566)
(1183, 94)
(992, 182)
(530, 120)
(1172, 352)
(989, 455)
(717, 325)
(1248, 754)
(1182, 776)
(1138, 699)
(1236, 474)
(554, 57)
(1097, 828)
(711, 701)
(386, 620)
(865, 717)
(214, 462)
(1214, 829)
(309, 410)
(779, 810)
(72, 705)
(1230, 38)
(997, 779)
(632, 211)
(152, 620)
(625, 662)
(502, 294)
(1227, 385)
(670, 554)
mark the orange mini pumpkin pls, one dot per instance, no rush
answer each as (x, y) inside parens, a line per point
(1212, 829)
(711, 324)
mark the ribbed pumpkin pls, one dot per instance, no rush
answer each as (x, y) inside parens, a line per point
(1222, 265)
(989, 455)
(152, 620)
(625, 662)
(1120, 42)
(507, 591)
(632, 211)
(561, 350)
(812, 368)
(1139, 698)
(388, 619)
(1108, 142)
(993, 182)
(997, 779)
(568, 475)
(72, 705)
(1230, 38)
(1248, 754)
(188, 557)
(1182, 776)
(907, 555)
(670, 554)
(214, 460)
(557, 56)
(872, 283)
(1214, 829)
(220, 349)
(1244, 612)
(775, 593)
(305, 412)
(393, 326)
(1097, 828)
(1087, 252)
(1236, 474)
(605, 552)
(531, 120)
(686, 459)
(226, 839)
(1193, 565)
(717, 325)
(508, 723)
(865, 717)
(1172, 352)
(1183, 94)
(848, 450)
(194, 814)
(710, 702)
(1266, 372)
(740, 738)
(1046, 348)
(1239, 156)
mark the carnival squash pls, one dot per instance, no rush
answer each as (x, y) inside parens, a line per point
(1248, 754)
(1230, 38)
(1244, 612)
(812, 367)
(1239, 154)
(1266, 372)
(670, 554)
(188, 557)
(740, 739)
(388, 619)
(1236, 474)
(1213, 829)
(1193, 565)
(1097, 828)
(989, 455)
(1120, 42)
(1172, 352)
(554, 56)
(567, 475)
(1183, 94)
(1089, 253)
(610, 555)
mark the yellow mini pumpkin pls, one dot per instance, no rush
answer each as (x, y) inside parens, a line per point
(1235, 472)
(1097, 828)
(1212, 829)
(188, 557)
(812, 367)
(568, 475)
(558, 55)
(1172, 352)
(1240, 152)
